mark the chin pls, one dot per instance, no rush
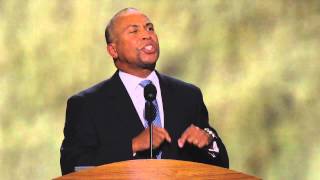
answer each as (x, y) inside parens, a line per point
(150, 66)
(149, 62)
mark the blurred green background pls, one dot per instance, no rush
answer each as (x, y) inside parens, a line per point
(257, 63)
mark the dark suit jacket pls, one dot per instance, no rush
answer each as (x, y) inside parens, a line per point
(102, 121)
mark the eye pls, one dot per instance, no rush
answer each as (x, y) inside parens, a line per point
(150, 28)
(133, 31)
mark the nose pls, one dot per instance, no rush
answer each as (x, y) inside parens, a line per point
(145, 35)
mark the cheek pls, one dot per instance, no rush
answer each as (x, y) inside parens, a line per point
(128, 49)
(157, 42)
(155, 38)
(130, 44)
(131, 49)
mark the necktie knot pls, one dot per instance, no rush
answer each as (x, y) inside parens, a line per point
(144, 83)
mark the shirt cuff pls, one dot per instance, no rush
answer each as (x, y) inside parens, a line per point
(213, 148)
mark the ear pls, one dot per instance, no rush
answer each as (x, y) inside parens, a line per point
(111, 48)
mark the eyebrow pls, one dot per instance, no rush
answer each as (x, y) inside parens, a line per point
(136, 26)
(149, 24)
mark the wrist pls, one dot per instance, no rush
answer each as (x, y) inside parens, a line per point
(211, 135)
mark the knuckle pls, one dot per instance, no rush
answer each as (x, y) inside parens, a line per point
(162, 137)
(204, 136)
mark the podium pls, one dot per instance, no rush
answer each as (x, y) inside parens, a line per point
(157, 169)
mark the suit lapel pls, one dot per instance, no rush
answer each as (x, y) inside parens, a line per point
(169, 104)
(124, 106)
(170, 118)
(167, 97)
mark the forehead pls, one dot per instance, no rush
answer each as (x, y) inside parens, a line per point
(130, 18)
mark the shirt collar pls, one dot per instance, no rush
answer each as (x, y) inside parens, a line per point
(131, 82)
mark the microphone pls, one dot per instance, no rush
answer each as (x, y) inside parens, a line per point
(150, 93)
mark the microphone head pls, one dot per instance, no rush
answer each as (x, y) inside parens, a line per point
(150, 92)
(150, 112)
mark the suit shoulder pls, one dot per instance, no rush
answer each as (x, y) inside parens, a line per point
(179, 84)
(92, 91)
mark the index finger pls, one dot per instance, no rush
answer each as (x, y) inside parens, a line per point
(185, 135)
(164, 132)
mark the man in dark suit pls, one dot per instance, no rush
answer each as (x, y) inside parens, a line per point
(106, 122)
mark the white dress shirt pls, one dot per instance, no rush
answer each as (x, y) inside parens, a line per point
(136, 94)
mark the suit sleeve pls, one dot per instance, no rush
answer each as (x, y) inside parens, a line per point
(219, 158)
(81, 145)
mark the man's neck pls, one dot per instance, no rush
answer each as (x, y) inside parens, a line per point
(141, 73)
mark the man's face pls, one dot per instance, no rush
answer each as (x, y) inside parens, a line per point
(135, 42)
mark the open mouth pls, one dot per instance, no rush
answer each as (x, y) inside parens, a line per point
(149, 49)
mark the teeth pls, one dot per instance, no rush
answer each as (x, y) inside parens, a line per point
(149, 47)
